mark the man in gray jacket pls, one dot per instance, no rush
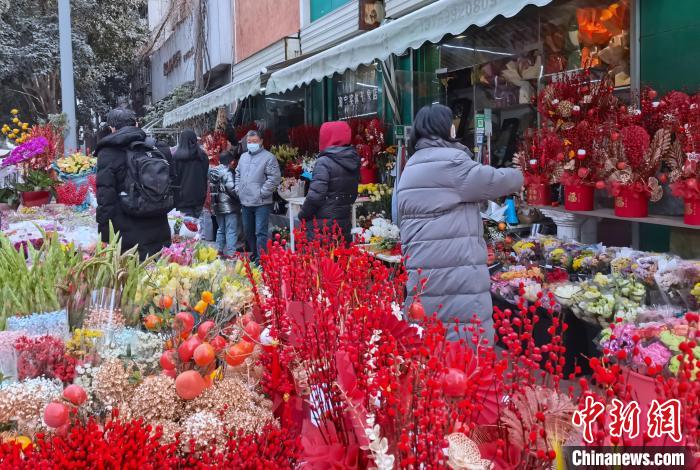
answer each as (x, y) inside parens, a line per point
(257, 178)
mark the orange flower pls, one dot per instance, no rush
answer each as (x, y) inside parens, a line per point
(208, 297)
(201, 307)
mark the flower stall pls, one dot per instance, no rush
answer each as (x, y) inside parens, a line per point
(310, 360)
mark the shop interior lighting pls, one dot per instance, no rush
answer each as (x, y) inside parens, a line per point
(280, 100)
(475, 49)
(367, 85)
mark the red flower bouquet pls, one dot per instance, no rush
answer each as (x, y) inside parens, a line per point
(539, 158)
(684, 157)
(213, 144)
(635, 159)
(579, 109)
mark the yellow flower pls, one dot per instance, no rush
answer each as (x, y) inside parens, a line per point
(25, 126)
(5, 130)
(14, 111)
(15, 131)
(15, 120)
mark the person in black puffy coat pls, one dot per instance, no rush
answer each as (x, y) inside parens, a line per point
(333, 188)
(191, 175)
(151, 234)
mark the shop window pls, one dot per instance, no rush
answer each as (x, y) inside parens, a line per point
(320, 8)
(357, 93)
(490, 76)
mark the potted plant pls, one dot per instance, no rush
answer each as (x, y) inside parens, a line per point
(36, 188)
(577, 109)
(9, 199)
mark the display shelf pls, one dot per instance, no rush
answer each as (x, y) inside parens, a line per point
(604, 213)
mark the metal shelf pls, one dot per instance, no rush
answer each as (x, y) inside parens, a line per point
(667, 220)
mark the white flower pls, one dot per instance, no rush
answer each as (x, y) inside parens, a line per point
(396, 310)
(372, 433)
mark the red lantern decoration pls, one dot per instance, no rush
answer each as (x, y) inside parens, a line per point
(454, 383)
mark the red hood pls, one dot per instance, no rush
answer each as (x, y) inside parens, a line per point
(334, 134)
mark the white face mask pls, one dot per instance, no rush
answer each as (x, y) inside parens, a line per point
(253, 148)
(453, 132)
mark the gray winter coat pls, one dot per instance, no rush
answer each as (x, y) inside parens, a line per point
(442, 231)
(257, 178)
(224, 199)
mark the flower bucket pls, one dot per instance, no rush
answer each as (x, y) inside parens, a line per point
(578, 198)
(692, 211)
(631, 204)
(644, 391)
(538, 194)
(35, 198)
(368, 175)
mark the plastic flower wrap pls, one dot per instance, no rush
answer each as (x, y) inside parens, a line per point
(180, 253)
(40, 324)
(525, 250)
(381, 229)
(559, 257)
(605, 298)
(566, 293)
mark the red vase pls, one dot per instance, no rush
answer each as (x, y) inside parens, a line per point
(692, 212)
(368, 175)
(631, 204)
(538, 194)
(578, 198)
(35, 198)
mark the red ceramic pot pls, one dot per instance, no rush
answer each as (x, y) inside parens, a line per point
(35, 198)
(368, 175)
(631, 204)
(578, 198)
(538, 194)
(692, 212)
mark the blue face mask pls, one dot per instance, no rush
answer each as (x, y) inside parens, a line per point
(253, 148)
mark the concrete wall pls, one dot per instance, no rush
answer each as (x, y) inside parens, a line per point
(261, 23)
(219, 44)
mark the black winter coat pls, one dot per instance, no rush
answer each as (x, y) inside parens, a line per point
(333, 189)
(150, 234)
(192, 178)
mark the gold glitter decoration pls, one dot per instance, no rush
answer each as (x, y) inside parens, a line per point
(24, 403)
(111, 383)
(203, 428)
(153, 399)
(101, 317)
(242, 408)
(565, 108)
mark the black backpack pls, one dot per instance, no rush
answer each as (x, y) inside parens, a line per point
(147, 190)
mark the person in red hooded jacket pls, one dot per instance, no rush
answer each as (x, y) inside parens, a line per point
(333, 188)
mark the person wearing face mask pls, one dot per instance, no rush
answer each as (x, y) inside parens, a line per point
(257, 177)
(442, 237)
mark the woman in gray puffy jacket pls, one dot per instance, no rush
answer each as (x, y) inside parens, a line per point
(441, 227)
